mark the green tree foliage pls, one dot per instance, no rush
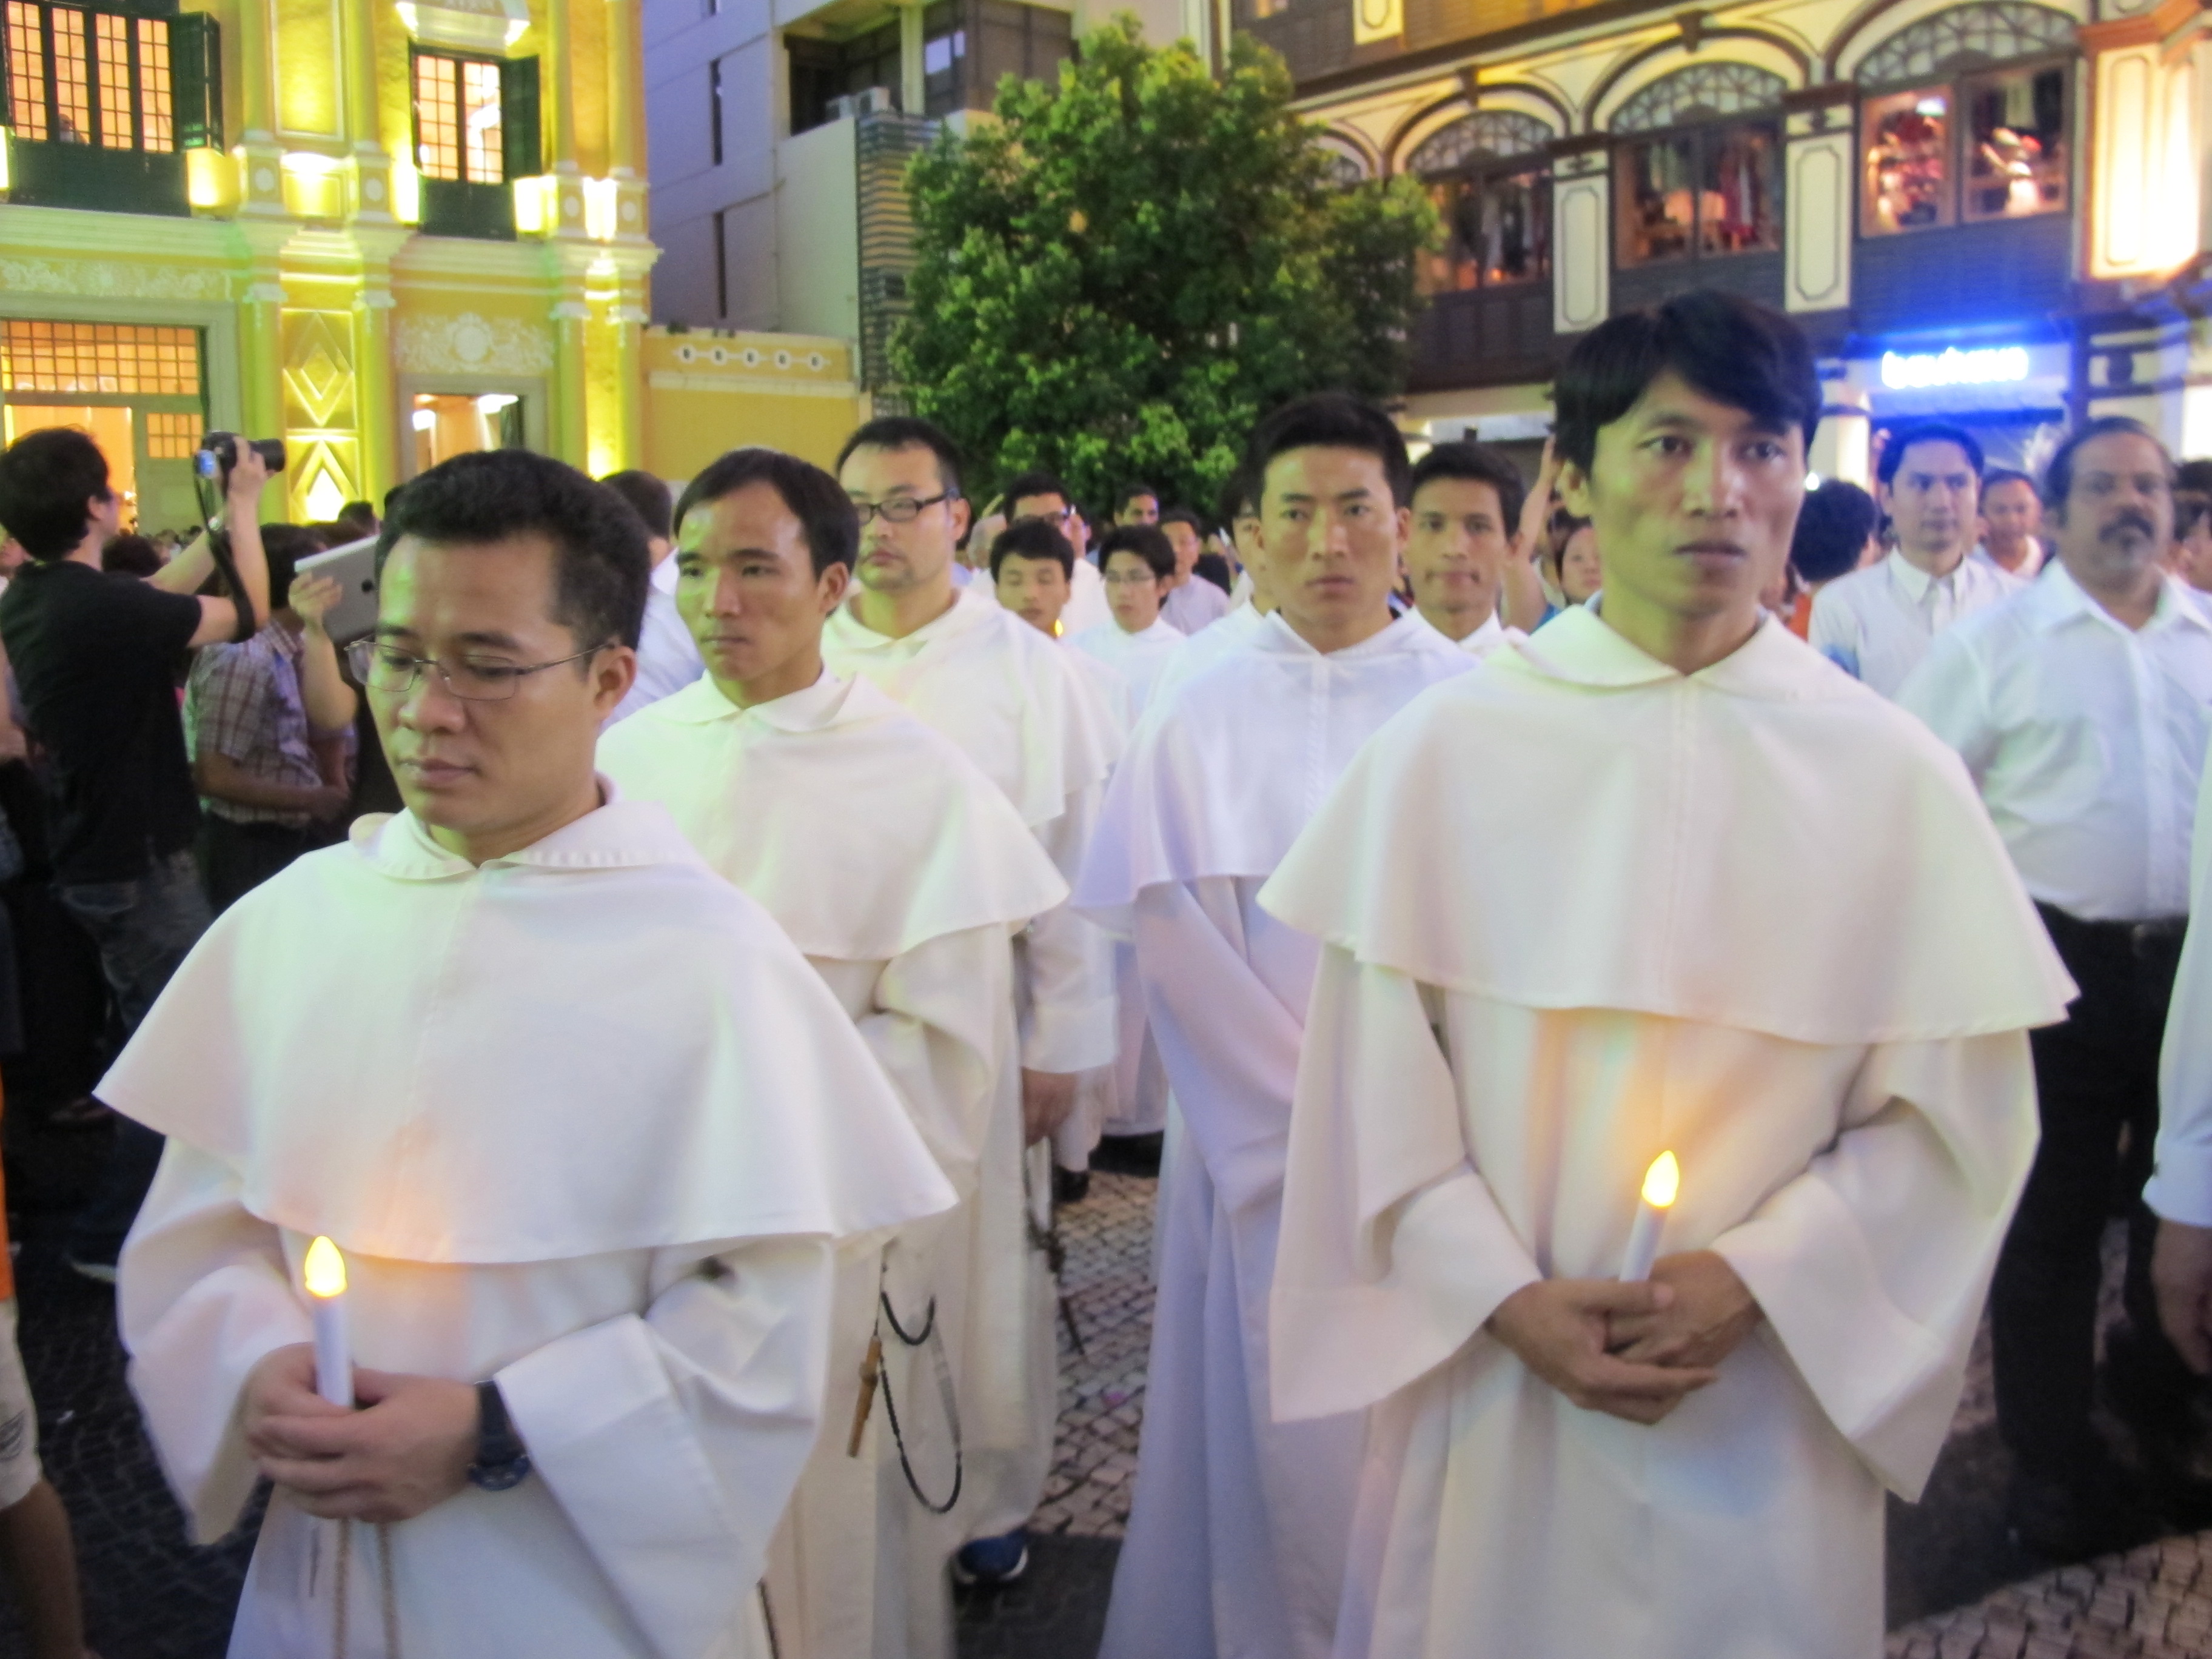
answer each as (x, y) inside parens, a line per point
(1118, 274)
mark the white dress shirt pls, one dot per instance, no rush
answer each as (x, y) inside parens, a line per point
(1194, 605)
(1876, 624)
(2086, 737)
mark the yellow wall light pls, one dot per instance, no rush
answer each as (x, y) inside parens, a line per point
(533, 205)
(600, 203)
(406, 193)
(6, 138)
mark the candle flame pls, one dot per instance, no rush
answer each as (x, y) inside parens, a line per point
(1661, 1182)
(324, 1269)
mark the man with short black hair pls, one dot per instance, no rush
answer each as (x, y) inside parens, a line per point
(95, 656)
(1875, 624)
(1838, 533)
(1026, 714)
(1137, 502)
(1238, 1537)
(1467, 502)
(784, 776)
(2012, 512)
(1138, 643)
(1041, 496)
(2082, 705)
(1193, 603)
(1544, 899)
(585, 1146)
(667, 660)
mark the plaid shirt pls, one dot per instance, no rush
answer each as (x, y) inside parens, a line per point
(245, 702)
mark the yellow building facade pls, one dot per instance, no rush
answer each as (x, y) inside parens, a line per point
(384, 231)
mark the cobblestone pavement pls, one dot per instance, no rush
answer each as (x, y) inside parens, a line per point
(1958, 1591)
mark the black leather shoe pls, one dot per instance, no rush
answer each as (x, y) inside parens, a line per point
(2072, 1519)
(1070, 1186)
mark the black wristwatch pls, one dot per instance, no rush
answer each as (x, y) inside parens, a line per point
(503, 1460)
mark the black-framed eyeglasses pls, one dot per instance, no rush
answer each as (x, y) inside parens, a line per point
(1058, 518)
(382, 667)
(902, 509)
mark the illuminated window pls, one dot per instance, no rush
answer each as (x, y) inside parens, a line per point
(157, 103)
(171, 437)
(72, 94)
(26, 68)
(1486, 175)
(1708, 188)
(92, 77)
(457, 131)
(111, 358)
(1979, 137)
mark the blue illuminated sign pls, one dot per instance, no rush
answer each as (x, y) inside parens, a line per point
(1988, 366)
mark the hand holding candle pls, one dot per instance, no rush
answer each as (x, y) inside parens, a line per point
(324, 1270)
(1660, 1182)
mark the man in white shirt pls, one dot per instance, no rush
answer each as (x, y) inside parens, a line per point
(1023, 711)
(2012, 512)
(667, 660)
(1200, 651)
(1138, 643)
(1236, 1538)
(583, 1123)
(2080, 706)
(1042, 496)
(1137, 502)
(778, 771)
(1193, 603)
(1545, 898)
(1465, 500)
(1876, 624)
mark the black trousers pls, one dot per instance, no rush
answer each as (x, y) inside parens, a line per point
(234, 858)
(2096, 1076)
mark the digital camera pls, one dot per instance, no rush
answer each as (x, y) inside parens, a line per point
(218, 453)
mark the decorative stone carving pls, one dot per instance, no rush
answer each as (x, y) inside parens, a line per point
(467, 343)
(111, 278)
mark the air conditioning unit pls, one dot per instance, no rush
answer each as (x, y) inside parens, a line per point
(876, 100)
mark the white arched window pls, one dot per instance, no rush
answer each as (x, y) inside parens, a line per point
(1965, 117)
(1701, 179)
(1490, 176)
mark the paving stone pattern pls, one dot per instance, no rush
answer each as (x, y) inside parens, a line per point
(152, 1596)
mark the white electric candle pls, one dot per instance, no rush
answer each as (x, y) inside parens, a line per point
(324, 1270)
(1660, 1182)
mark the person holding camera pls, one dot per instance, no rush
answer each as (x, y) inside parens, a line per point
(256, 712)
(94, 654)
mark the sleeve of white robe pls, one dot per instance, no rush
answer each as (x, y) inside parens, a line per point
(673, 1439)
(1394, 1251)
(204, 1298)
(1229, 1045)
(1872, 1265)
(933, 1029)
(1066, 963)
(2180, 1188)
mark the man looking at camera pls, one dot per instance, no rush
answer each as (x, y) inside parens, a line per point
(95, 655)
(587, 1148)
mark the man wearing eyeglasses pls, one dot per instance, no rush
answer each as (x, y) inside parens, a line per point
(1041, 495)
(584, 1124)
(1023, 713)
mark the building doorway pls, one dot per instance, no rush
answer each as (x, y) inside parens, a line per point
(450, 423)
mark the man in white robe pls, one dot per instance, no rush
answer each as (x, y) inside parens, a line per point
(1547, 897)
(584, 1123)
(1236, 1538)
(1465, 500)
(1041, 496)
(1138, 643)
(1025, 714)
(780, 773)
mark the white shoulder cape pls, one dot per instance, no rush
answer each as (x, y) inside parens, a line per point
(1764, 844)
(594, 1045)
(1001, 690)
(1230, 764)
(792, 800)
